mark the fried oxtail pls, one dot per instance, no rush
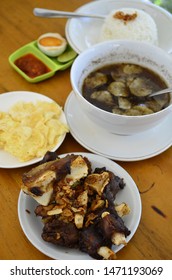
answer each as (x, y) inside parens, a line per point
(77, 205)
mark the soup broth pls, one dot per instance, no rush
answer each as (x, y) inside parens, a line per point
(124, 89)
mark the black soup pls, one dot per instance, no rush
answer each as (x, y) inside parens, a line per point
(124, 89)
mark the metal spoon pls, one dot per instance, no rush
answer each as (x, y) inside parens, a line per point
(62, 14)
(166, 90)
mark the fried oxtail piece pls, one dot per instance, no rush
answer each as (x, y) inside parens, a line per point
(93, 243)
(112, 188)
(112, 227)
(105, 183)
(39, 181)
(61, 233)
(103, 226)
(106, 229)
(40, 173)
(49, 156)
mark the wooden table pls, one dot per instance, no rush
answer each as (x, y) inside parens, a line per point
(152, 240)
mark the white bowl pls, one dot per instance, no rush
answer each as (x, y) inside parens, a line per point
(119, 51)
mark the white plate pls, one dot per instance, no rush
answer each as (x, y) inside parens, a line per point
(32, 225)
(6, 101)
(82, 33)
(124, 148)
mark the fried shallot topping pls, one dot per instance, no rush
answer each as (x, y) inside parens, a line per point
(125, 17)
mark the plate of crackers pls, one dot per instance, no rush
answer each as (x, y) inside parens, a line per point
(30, 125)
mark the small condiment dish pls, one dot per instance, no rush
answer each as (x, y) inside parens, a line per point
(52, 64)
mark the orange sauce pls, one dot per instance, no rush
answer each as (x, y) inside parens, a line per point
(50, 42)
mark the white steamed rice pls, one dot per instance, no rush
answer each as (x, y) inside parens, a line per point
(140, 28)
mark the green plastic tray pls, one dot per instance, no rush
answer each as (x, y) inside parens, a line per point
(51, 63)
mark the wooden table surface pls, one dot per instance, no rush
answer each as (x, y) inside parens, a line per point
(152, 240)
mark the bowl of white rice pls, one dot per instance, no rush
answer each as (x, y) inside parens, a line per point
(129, 23)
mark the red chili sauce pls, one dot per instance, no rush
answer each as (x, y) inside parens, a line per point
(31, 65)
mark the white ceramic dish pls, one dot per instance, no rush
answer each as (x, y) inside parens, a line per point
(83, 33)
(32, 225)
(6, 101)
(122, 148)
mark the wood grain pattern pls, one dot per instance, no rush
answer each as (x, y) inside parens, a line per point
(153, 177)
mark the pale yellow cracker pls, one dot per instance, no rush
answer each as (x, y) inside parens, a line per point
(29, 130)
